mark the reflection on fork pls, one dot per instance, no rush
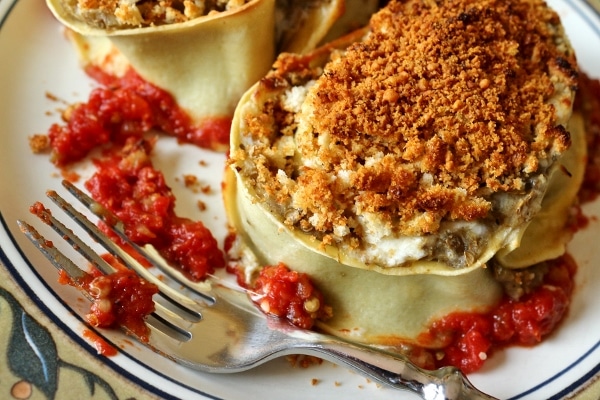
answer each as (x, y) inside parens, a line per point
(215, 327)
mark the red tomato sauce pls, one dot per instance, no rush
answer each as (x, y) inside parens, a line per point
(120, 299)
(471, 338)
(101, 345)
(127, 184)
(117, 116)
(290, 295)
(125, 107)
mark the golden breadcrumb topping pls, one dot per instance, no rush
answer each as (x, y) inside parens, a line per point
(442, 106)
(39, 143)
(131, 13)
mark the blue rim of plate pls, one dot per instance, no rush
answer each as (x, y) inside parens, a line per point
(583, 9)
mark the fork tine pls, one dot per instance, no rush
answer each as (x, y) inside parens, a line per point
(177, 299)
(55, 256)
(118, 227)
(74, 240)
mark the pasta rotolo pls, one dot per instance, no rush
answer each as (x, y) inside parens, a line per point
(400, 165)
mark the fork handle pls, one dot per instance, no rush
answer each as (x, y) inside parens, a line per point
(446, 383)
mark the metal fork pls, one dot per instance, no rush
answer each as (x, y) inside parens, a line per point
(216, 327)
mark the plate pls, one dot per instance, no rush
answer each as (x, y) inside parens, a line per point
(40, 76)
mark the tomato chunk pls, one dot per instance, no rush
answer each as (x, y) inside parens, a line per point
(291, 295)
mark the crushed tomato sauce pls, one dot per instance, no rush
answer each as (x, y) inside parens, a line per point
(471, 338)
(125, 107)
(127, 184)
(120, 299)
(291, 295)
(101, 345)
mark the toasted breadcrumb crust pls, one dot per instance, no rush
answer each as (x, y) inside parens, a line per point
(132, 13)
(461, 90)
(39, 143)
(439, 111)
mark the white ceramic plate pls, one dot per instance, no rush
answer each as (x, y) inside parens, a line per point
(38, 65)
